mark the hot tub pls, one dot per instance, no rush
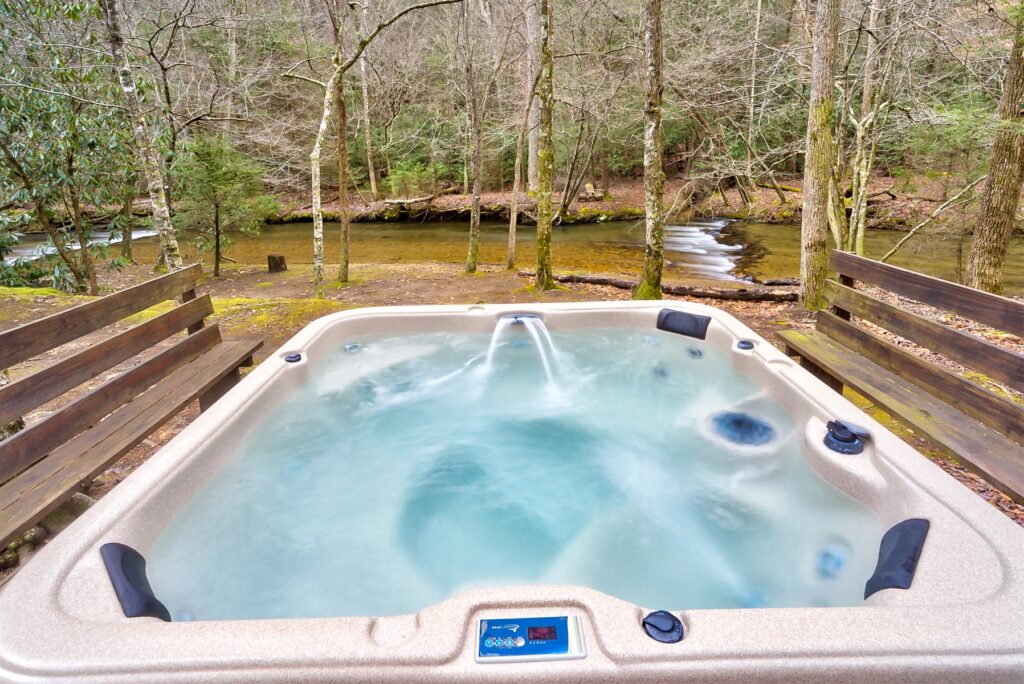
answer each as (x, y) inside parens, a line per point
(571, 492)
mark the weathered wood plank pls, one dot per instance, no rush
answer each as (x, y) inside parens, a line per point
(45, 485)
(993, 310)
(28, 446)
(28, 393)
(998, 413)
(979, 448)
(1000, 364)
(26, 341)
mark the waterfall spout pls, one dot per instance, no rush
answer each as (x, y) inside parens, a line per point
(542, 341)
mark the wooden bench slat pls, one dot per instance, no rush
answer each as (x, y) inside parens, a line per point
(981, 449)
(34, 442)
(992, 310)
(28, 393)
(44, 486)
(998, 413)
(1000, 364)
(30, 339)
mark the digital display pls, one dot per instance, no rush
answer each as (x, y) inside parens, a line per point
(542, 633)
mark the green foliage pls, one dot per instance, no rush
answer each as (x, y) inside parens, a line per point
(410, 179)
(61, 144)
(220, 191)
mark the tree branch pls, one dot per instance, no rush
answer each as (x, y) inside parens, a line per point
(945, 205)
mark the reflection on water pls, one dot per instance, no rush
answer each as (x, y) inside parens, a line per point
(697, 250)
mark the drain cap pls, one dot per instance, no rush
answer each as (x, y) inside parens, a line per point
(663, 626)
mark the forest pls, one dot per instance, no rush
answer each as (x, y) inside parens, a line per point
(203, 119)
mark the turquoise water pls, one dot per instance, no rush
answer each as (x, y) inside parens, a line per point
(411, 469)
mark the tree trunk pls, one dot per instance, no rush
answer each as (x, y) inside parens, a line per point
(533, 59)
(753, 93)
(477, 134)
(43, 217)
(314, 172)
(654, 173)
(143, 139)
(127, 218)
(605, 174)
(88, 269)
(216, 240)
(818, 158)
(864, 143)
(78, 220)
(1002, 192)
(343, 199)
(371, 170)
(545, 152)
(517, 175)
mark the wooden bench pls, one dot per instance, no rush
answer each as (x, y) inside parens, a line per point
(44, 464)
(980, 428)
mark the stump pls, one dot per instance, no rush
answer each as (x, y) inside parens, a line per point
(276, 264)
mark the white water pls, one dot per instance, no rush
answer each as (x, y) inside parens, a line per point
(704, 254)
(410, 469)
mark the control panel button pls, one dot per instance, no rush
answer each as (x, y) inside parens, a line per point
(558, 637)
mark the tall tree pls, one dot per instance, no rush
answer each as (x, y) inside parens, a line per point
(169, 252)
(654, 173)
(476, 135)
(544, 279)
(1006, 171)
(533, 59)
(819, 155)
(340, 64)
(517, 175)
(364, 84)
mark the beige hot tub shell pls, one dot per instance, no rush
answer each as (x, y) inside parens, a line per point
(960, 621)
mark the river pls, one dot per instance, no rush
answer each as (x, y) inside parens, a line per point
(698, 250)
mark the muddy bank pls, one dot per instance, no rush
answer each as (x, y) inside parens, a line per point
(622, 202)
(893, 204)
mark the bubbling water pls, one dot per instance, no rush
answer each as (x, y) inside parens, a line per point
(409, 469)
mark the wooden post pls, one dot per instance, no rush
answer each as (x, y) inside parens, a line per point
(276, 263)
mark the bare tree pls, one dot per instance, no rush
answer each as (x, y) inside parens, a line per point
(517, 174)
(143, 138)
(654, 174)
(533, 59)
(340, 64)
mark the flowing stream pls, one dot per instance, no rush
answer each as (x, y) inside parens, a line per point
(696, 250)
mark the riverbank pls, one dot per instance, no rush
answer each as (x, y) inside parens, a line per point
(896, 204)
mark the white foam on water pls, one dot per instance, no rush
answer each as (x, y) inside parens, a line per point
(412, 468)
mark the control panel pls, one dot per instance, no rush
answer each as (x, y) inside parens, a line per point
(529, 639)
